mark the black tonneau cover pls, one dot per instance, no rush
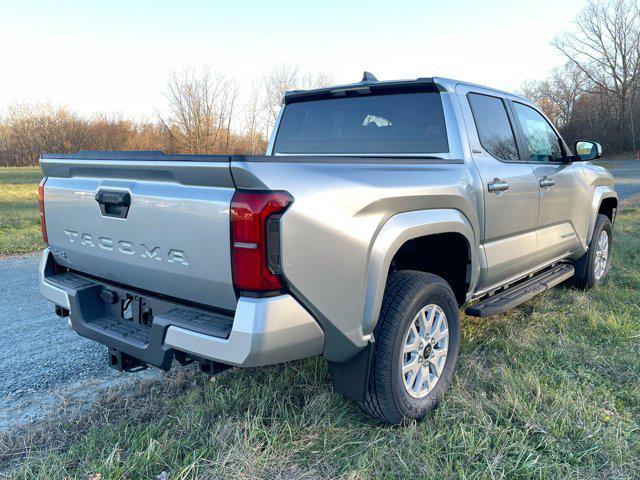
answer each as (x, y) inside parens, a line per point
(134, 155)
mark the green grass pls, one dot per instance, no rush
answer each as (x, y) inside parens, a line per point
(549, 390)
(19, 217)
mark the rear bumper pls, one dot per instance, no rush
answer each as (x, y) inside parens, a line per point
(51, 292)
(262, 331)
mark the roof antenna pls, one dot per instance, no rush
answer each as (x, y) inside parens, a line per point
(368, 77)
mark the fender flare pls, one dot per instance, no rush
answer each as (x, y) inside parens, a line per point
(600, 193)
(395, 232)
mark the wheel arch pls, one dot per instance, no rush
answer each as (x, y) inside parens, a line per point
(420, 228)
(608, 207)
(605, 201)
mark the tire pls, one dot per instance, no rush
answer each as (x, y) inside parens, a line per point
(587, 274)
(407, 294)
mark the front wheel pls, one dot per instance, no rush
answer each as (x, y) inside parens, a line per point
(593, 267)
(416, 346)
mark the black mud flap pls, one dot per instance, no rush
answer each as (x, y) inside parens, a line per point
(351, 378)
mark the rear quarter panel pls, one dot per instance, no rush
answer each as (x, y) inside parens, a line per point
(339, 208)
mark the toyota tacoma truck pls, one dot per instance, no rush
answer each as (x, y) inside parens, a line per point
(380, 210)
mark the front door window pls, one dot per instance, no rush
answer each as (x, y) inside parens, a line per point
(542, 141)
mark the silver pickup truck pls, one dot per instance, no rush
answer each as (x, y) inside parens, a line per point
(380, 210)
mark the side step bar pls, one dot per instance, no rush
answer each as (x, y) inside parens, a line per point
(521, 292)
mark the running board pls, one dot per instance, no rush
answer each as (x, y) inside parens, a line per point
(521, 292)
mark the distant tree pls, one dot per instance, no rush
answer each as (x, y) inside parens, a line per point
(255, 123)
(539, 92)
(605, 48)
(279, 80)
(558, 94)
(566, 85)
(203, 109)
(283, 78)
(200, 110)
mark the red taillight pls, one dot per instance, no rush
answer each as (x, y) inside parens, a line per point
(43, 223)
(253, 250)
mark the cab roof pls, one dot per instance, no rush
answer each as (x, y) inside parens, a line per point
(370, 84)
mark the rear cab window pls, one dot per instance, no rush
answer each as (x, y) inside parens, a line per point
(494, 128)
(399, 123)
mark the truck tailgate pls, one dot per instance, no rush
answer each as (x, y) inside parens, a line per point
(145, 220)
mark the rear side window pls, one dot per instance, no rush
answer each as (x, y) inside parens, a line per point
(494, 127)
(401, 123)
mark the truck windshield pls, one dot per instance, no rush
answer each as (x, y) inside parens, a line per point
(401, 123)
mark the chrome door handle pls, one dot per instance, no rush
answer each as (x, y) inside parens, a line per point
(547, 182)
(498, 186)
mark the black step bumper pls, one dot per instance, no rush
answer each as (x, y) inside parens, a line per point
(261, 331)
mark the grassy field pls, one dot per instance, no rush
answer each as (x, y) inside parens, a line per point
(549, 390)
(19, 218)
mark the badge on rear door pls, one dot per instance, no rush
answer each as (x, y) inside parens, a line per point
(126, 247)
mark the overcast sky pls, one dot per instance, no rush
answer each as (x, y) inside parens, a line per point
(114, 56)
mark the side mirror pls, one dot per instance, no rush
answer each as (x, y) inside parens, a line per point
(586, 150)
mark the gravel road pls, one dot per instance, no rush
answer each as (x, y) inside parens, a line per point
(627, 175)
(43, 363)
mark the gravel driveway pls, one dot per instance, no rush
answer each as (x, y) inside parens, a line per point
(43, 363)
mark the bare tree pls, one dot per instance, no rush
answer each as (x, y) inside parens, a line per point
(539, 91)
(557, 95)
(28, 130)
(255, 122)
(227, 110)
(201, 107)
(605, 47)
(315, 80)
(566, 85)
(281, 79)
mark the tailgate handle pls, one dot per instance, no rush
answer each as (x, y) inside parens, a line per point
(114, 204)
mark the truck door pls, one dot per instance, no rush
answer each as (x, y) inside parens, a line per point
(564, 198)
(510, 188)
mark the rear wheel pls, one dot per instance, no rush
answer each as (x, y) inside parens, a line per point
(593, 267)
(416, 346)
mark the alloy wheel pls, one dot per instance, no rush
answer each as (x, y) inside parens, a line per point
(424, 351)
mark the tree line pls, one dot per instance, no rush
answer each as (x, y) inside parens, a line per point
(204, 115)
(596, 94)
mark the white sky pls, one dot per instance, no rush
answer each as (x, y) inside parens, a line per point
(114, 56)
